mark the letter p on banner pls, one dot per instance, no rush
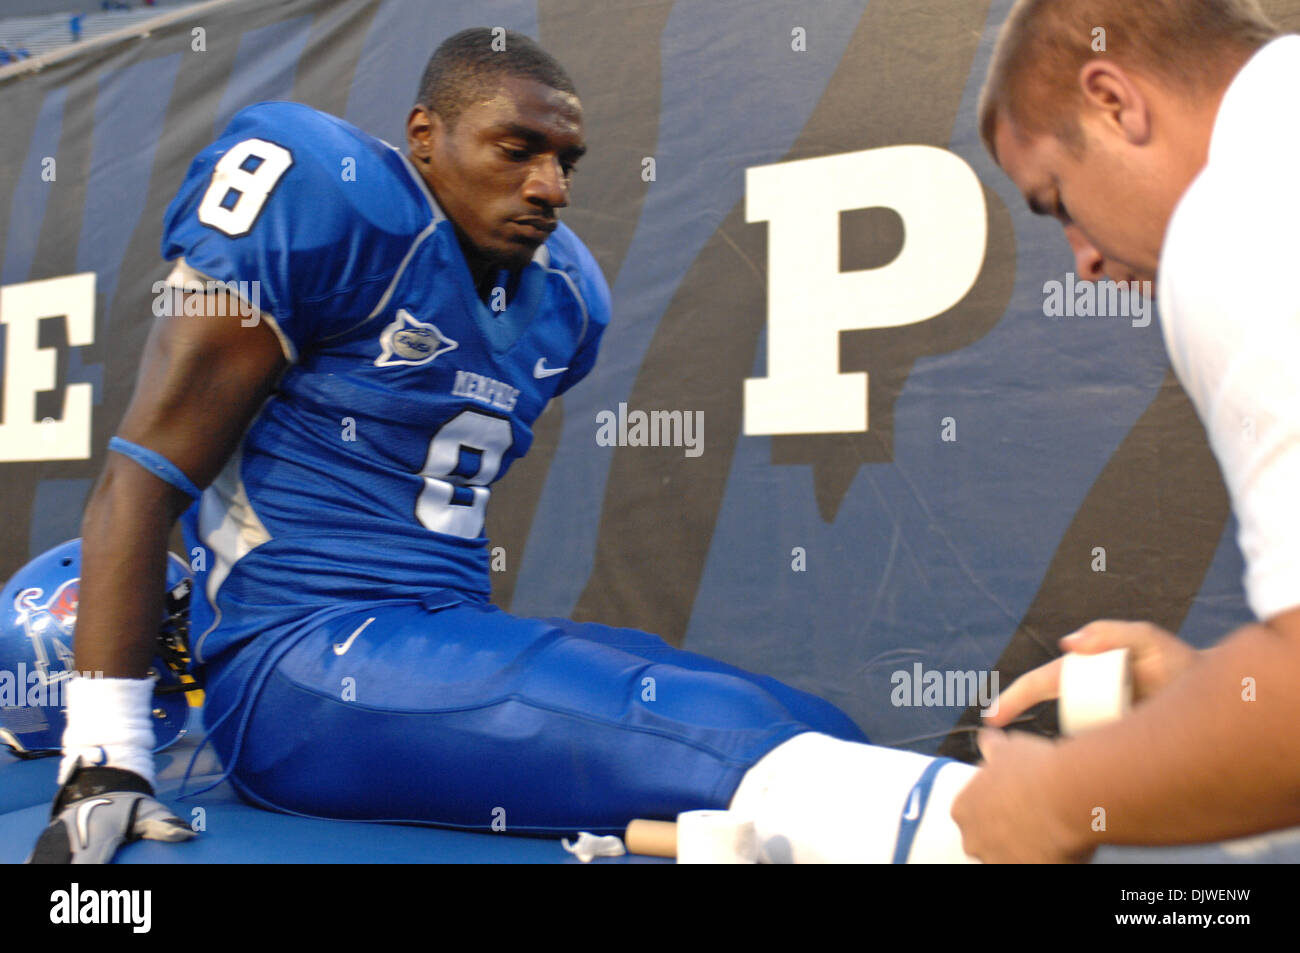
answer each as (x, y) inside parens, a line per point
(810, 301)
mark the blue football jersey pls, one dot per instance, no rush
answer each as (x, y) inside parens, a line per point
(366, 475)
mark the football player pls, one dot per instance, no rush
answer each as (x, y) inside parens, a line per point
(362, 342)
(1163, 137)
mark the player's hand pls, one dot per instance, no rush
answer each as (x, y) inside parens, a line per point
(1006, 813)
(1158, 657)
(97, 811)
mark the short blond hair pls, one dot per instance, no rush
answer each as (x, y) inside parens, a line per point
(1186, 45)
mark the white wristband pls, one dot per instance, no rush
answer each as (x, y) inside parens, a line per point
(110, 724)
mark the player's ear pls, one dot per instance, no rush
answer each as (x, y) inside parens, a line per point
(422, 127)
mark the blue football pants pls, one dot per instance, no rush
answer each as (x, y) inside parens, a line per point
(469, 717)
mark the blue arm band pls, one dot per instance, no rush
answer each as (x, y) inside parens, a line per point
(156, 464)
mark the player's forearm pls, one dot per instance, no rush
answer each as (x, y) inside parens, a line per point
(1199, 761)
(124, 564)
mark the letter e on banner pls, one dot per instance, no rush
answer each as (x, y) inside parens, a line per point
(29, 369)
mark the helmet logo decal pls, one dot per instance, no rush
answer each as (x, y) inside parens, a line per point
(38, 618)
(49, 626)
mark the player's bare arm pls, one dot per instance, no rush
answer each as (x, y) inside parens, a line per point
(201, 380)
(204, 373)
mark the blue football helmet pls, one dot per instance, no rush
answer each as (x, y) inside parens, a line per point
(38, 612)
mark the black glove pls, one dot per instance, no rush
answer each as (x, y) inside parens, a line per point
(97, 811)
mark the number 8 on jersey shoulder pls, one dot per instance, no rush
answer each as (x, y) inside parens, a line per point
(241, 182)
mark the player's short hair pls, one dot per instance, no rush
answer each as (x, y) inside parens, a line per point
(1185, 45)
(468, 67)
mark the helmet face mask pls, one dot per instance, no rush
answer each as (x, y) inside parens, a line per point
(38, 616)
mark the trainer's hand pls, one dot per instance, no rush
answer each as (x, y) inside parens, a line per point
(1158, 657)
(1005, 812)
(93, 816)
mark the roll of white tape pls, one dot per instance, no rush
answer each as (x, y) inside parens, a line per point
(1095, 689)
(715, 837)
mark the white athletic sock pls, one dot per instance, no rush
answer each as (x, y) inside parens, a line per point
(817, 799)
(110, 724)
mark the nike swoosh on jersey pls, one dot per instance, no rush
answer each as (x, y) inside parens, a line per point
(913, 809)
(540, 369)
(83, 815)
(341, 647)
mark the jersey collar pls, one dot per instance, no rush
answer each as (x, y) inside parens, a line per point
(434, 208)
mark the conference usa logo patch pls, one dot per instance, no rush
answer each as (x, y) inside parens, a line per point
(408, 341)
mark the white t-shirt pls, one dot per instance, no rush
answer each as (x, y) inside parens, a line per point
(1229, 292)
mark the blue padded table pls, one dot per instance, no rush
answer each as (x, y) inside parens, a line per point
(237, 833)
